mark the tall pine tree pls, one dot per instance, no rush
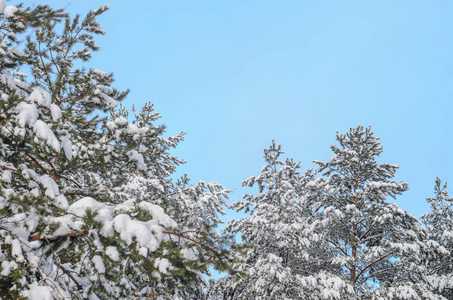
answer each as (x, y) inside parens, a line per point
(282, 250)
(440, 227)
(378, 245)
(87, 207)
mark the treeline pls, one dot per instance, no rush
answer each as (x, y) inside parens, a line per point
(333, 233)
(88, 209)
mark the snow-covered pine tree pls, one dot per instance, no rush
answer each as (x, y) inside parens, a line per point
(87, 207)
(281, 249)
(440, 227)
(378, 245)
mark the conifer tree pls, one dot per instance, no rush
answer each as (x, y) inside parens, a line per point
(440, 227)
(281, 250)
(378, 245)
(87, 207)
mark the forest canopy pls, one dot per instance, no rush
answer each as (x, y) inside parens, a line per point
(90, 209)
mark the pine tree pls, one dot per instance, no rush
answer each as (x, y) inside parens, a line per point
(281, 249)
(377, 244)
(87, 207)
(440, 227)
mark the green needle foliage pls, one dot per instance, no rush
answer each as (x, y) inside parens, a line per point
(87, 206)
(439, 222)
(336, 234)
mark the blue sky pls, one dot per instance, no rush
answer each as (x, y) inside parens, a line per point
(236, 74)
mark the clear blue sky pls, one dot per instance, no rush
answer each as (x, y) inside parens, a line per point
(236, 74)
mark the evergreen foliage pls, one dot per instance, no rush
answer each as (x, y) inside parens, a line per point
(333, 234)
(89, 210)
(377, 244)
(87, 207)
(284, 257)
(440, 227)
